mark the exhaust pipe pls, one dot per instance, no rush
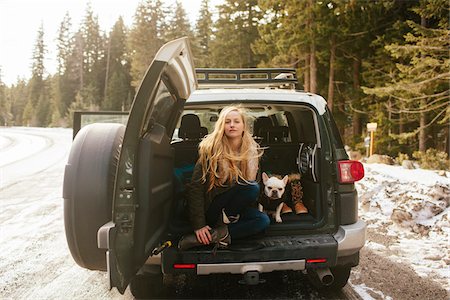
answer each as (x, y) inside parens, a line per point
(325, 276)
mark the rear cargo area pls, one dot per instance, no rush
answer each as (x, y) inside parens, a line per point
(289, 139)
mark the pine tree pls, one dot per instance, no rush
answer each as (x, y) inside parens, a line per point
(237, 29)
(5, 115)
(418, 86)
(64, 85)
(73, 76)
(178, 25)
(17, 95)
(117, 85)
(203, 36)
(93, 66)
(272, 45)
(145, 38)
(36, 84)
(287, 38)
(43, 111)
(63, 44)
(117, 92)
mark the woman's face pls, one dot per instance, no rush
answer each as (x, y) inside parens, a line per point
(234, 125)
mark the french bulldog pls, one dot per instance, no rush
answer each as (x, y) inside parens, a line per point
(272, 199)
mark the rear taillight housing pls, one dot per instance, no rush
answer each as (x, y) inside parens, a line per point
(184, 266)
(350, 171)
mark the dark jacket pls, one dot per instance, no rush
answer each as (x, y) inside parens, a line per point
(270, 204)
(198, 199)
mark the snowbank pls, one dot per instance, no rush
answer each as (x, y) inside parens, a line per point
(412, 208)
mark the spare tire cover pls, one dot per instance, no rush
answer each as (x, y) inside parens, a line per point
(88, 190)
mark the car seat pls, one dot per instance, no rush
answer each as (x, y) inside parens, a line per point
(190, 128)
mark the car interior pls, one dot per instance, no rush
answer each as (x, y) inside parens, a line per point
(290, 142)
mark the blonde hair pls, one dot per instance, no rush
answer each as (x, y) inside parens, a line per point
(215, 148)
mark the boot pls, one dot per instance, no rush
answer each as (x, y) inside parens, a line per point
(300, 208)
(285, 209)
(297, 194)
(219, 236)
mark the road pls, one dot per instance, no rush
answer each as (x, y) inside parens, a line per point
(35, 261)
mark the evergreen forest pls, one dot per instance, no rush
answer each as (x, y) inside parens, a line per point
(383, 61)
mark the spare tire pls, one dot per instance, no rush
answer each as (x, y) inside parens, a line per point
(88, 190)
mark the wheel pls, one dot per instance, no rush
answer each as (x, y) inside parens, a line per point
(88, 188)
(147, 286)
(340, 274)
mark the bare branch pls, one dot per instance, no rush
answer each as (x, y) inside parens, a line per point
(426, 108)
(421, 97)
(417, 130)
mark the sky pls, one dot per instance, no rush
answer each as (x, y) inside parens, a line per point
(20, 21)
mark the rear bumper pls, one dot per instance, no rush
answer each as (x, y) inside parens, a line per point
(242, 268)
(350, 238)
(278, 253)
(273, 253)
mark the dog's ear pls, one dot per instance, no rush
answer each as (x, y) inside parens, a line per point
(285, 180)
(264, 177)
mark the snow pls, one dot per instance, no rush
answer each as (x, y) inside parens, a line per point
(413, 208)
(35, 262)
(366, 292)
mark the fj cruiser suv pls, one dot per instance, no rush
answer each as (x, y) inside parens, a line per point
(124, 205)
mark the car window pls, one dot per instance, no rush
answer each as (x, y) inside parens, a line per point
(161, 112)
(271, 124)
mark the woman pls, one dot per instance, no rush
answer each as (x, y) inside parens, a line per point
(224, 182)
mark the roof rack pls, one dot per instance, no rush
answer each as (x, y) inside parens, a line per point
(274, 78)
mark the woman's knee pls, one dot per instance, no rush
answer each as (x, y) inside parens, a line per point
(263, 221)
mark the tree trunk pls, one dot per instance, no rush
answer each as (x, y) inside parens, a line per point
(251, 63)
(312, 51)
(390, 122)
(105, 91)
(447, 140)
(356, 119)
(423, 103)
(331, 73)
(80, 62)
(307, 79)
(401, 124)
(422, 131)
(313, 68)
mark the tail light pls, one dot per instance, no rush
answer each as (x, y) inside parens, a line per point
(350, 171)
(316, 260)
(184, 266)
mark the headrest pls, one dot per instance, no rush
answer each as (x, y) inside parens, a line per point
(190, 127)
(275, 134)
(261, 124)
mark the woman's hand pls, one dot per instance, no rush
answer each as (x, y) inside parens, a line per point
(203, 235)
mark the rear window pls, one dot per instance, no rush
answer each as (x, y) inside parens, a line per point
(268, 123)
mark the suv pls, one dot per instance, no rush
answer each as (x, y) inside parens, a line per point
(123, 191)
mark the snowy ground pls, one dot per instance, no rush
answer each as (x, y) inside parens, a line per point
(35, 262)
(407, 254)
(408, 218)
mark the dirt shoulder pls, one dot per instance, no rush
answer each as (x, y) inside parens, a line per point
(392, 279)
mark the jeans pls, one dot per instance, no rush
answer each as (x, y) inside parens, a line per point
(238, 201)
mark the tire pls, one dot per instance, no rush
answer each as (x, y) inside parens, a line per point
(341, 275)
(87, 190)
